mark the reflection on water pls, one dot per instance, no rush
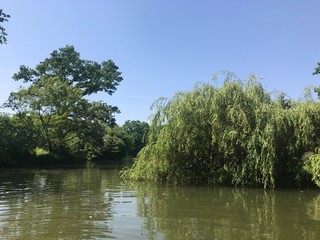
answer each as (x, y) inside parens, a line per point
(54, 204)
(229, 213)
(93, 203)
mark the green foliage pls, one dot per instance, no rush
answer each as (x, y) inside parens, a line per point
(17, 140)
(138, 132)
(40, 151)
(122, 143)
(312, 166)
(235, 134)
(3, 18)
(64, 121)
(116, 143)
(308, 131)
(89, 76)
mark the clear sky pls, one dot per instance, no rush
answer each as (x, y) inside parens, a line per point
(165, 46)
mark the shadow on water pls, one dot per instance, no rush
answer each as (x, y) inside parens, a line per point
(94, 203)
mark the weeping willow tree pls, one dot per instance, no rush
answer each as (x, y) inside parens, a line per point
(235, 134)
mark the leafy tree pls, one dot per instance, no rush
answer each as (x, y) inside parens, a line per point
(120, 143)
(55, 101)
(138, 132)
(17, 140)
(50, 103)
(235, 134)
(116, 143)
(3, 18)
(89, 76)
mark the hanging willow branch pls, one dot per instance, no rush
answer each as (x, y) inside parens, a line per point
(234, 134)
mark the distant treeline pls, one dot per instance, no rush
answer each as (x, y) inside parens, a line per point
(236, 134)
(21, 146)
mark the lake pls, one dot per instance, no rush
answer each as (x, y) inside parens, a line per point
(94, 203)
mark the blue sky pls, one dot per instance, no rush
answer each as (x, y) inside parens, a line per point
(166, 46)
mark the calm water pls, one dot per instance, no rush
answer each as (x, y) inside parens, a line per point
(93, 203)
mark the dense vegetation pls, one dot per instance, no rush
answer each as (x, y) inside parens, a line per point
(55, 122)
(234, 134)
(313, 161)
(20, 145)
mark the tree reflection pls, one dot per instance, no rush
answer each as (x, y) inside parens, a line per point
(227, 213)
(314, 209)
(93, 203)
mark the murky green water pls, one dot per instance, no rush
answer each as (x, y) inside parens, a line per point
(93, 203)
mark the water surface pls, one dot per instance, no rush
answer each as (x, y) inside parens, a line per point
(94, 203)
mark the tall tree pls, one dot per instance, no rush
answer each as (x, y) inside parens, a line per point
(3, 18)
(55, 99)
(89, 76)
